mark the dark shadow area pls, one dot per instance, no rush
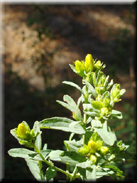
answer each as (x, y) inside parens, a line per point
(76, 29)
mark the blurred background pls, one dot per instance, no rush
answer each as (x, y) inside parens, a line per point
(39, 41)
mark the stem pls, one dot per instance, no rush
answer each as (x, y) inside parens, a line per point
(51, 164)
(85, 122)
(67, 165)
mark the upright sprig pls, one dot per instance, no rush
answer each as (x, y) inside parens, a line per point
(97, 150)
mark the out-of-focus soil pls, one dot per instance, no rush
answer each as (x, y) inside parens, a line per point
(77, 30)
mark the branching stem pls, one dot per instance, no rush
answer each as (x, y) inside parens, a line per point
(51, 164)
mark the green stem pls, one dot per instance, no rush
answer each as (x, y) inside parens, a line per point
(67, 165)
(85, 123)
(51, 164)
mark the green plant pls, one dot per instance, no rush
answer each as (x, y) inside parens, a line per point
(94, 154)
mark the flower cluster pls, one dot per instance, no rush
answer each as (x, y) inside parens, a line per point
(24, 135)
(83, 68)
(94, 145)
(106, 94)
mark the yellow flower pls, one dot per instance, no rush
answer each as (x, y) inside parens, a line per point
(93, 146)
(22, 131)
(89, 63)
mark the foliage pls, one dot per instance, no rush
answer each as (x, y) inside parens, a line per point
(97, 150)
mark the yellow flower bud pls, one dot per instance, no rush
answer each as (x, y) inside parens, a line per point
(22, 131)
(98, 64)
(83, 150)
(78, 66)
(104, 149)
(93, 146)
(89, 63)
(93, 158)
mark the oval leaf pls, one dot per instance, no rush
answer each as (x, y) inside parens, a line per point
(62, 123)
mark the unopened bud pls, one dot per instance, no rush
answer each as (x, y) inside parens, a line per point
(89, 63)
(93, 158)
(22, 131)
(84, 150)
(104, 149)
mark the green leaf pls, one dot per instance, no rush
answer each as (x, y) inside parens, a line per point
(14, 133)
(116, 114)
(35, 168)
(50, 173)
(75, 107)
(104, 131)
(73, 145)
(109, 84)
(72, 157)
(73, 84)
(38, 141)
(45, 153)
(22, 153)
(116, 170)
(100, 172)
(87, 170)
(122, 91)
(69, 100)
(55, 155)
(73, 68)
(64, 104)
(25, 153)
(62, 123)
(91, 88)
(106, 81)
(72, 106)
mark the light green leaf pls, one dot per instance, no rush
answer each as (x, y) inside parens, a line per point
(71, 105)
(45, 153)
(91, 88)
(106, 81)
(14, 133)
(122, 91)
(50, 173)
(38, 141)
(25, 153)
(73, 145)
(73, 68)
(72, 84)
(45, 146)
(54, 155)
(69, 100)
(64, 104)
(109, 84)
(75, 107)
(100, 172)
(34, 167)
(116, 170)
(62, 123)
(87, 170)
(22, 153)
(72, 157)
(116, 114)
(104, 131)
